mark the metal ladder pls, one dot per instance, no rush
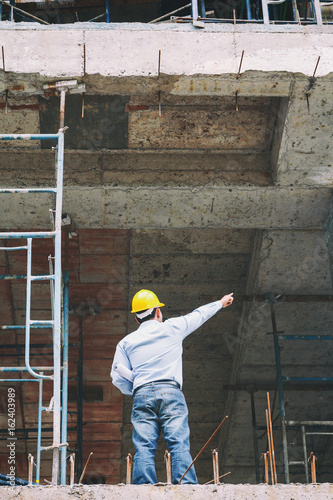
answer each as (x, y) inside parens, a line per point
(55, 278)
(307, 427)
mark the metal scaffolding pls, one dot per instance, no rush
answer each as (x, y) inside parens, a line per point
(311, 427)
(59, 324)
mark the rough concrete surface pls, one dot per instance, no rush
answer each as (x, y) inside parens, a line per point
(161, 492)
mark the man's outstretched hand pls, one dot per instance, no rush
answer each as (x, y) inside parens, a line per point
(227, 300)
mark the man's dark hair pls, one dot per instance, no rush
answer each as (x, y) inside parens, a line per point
(147, 318)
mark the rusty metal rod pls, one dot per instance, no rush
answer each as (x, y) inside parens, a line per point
(269, 448)
(129, 469)
(240, 64)
(215, 466)
(72, 468)
(85, 467)
(62, 108)
(316, 67)
(271, 437)
(167, 458)
(202, 449)
(313, 459)
(223, 475)
(30, 468)
(266, 466)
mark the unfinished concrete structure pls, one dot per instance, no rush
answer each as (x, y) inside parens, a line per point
(198, 163)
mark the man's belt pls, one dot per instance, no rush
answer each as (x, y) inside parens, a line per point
(170, 382)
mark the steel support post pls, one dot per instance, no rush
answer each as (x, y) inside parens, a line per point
(57, 312)
(64, 381)
(255, 438)
(195, 11)
(281, 394)
(39, 432)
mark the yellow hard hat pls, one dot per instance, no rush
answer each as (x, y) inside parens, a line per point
(145, 299)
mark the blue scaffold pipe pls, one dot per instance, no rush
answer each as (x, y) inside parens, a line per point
(57, 311)
(22, 327)
(25, 235)
(63, 452)
(28, 137)
(107, 11)
(12, 369)
(195, 11)
(19, 380)
(39, 429)
(10, 249)
(28, 190)
(8, 479)
(46, 277)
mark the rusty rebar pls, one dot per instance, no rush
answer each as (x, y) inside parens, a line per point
(271, 437)
(313, 459)
(167, 458)
(269, 448)
(85, 467)
(266, 466)
(30, 468)
(215, 466)
(203, 448)
(223, 475)
(129, 469)
(72, 469)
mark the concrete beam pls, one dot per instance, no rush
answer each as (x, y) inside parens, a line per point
(191, 207)
(187, 492)
(135, 48)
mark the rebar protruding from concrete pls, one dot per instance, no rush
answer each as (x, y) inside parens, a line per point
(271, 439)
(30, 468)
(72, 468)
(167, 458)
(266, 466)
(202, 449)
(129, 469)
(215, 466)
(85, 467)
(312, 458)
(223, 475)
(269, 448)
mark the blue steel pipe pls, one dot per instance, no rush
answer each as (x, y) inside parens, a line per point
(22, 327)
(11, 369)
(248, 10)
(195, 12)
(107, 11)
(19, 380)
(39, 431)
(25, 235)
(30, 190)
(28, 137)
(63, 462)
(57, 313)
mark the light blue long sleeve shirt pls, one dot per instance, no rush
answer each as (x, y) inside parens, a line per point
(154, 351)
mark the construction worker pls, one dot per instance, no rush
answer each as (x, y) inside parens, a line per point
(148, 366)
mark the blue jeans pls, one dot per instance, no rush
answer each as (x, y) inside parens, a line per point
(156, 407)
